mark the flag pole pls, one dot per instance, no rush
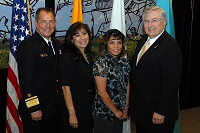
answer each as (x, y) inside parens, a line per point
(29, 16)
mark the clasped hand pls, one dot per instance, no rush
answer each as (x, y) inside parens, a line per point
(157, 118)
(122, 115)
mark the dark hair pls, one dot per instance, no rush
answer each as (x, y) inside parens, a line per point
(46, 9)
(103, 43)
(69, 46)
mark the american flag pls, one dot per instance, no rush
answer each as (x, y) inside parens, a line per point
(20, 29)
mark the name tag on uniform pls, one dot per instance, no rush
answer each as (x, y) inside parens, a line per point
(43, 55)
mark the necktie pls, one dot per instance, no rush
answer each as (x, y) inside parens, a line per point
(49, 44)
(144, 49)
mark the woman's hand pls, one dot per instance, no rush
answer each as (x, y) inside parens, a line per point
(73, 121)
(125, 116)
(119, 114)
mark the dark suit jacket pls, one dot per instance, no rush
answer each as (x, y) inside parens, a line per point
(155, 80)
(38, 77)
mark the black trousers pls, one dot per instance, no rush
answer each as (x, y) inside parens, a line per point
(42, 126)
(161, 128)
(106, 126)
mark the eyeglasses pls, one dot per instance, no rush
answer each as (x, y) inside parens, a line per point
(153, 21)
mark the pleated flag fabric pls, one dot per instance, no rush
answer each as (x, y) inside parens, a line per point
(118, 16)
(77, 14)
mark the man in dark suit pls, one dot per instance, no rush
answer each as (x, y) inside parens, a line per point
(38, 76)
(155, 77)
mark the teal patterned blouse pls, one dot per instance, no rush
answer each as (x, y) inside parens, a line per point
(116, 71)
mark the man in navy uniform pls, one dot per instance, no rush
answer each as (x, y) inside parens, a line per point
(37, 59)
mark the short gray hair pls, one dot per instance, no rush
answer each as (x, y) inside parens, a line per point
(156, 8)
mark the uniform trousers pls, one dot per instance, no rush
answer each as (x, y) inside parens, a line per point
(41, 126)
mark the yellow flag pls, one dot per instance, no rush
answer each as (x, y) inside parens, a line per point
(77, 15)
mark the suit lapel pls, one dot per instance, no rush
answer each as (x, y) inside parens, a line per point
(137, 50)
(148, 53)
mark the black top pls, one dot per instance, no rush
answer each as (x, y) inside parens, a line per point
(77, 75)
